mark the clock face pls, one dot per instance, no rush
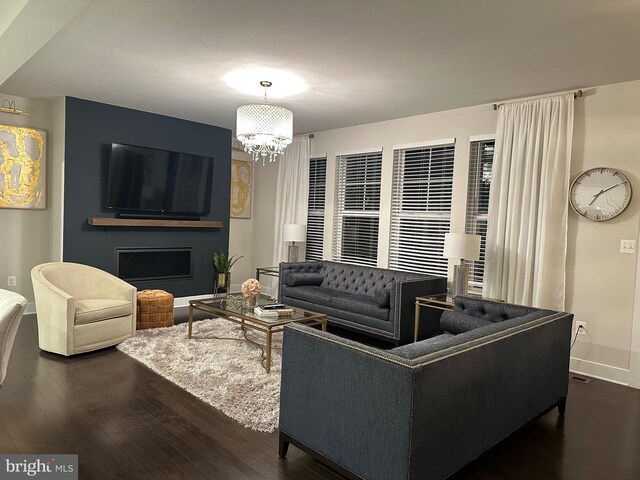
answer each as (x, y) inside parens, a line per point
(600, 194)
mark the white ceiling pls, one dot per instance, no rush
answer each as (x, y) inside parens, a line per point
(364, 60)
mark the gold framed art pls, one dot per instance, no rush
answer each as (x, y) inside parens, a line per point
(23, 167)
(241, 188)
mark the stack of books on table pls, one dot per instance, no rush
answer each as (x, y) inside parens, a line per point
(274, 310)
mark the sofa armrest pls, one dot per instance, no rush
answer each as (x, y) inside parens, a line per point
(361, 397)
(295, 267)
(55, 311)
(403, 303)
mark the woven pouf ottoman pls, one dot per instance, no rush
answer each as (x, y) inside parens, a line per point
(155, 309)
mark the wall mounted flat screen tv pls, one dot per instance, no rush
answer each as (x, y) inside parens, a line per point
(147, 181)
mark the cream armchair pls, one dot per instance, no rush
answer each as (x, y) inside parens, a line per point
(12, 307)
(81, 308)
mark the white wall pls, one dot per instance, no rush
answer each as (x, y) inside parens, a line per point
(241, 238)
(600, 280)
(264, 200)
(27, 235)
(253, 238)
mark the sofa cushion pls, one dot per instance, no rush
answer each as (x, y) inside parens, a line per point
(309, 293)
(360, 321)
(423, 347)
(457, 322)
(95, 310)
(300, 278)
(383, 296)
(362, 304)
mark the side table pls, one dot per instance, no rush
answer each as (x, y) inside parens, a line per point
(440, 301)
(268, 271)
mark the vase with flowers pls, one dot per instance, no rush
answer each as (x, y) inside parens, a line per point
(251, 291)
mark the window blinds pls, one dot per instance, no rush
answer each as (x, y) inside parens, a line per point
(315, 215)
(357, 208)
(421, 208)
(480, 167)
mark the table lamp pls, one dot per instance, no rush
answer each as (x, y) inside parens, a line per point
(293, 232)
(462, 246)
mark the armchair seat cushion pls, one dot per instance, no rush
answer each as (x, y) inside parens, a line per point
(95, 310)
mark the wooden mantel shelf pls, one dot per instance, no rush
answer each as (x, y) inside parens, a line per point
(144, 222)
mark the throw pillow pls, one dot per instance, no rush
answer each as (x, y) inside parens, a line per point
(299, 279)
(382, 297)
(455, 322)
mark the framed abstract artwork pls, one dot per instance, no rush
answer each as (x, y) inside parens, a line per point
(23, 167)
(241, 187)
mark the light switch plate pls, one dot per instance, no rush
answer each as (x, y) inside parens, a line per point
(628, 246)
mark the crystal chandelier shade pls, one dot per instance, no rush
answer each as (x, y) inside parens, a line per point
(264, 130)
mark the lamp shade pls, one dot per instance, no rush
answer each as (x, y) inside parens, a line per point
(293, 232)
(266, 123)
(461, 245)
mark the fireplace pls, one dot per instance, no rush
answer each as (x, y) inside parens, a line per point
(139, 264)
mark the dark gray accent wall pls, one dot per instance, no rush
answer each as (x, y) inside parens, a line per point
(90, 128)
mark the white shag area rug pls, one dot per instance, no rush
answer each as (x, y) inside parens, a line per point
(227, 374)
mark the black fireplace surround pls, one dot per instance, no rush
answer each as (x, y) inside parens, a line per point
(90, 129)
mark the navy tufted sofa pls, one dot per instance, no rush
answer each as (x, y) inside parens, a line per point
(374, 301)
(422, 411)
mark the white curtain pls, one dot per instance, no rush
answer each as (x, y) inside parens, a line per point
(528, 204)
(292, 194)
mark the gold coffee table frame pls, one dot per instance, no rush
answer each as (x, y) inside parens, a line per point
(231, 308)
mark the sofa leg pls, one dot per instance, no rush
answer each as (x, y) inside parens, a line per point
(283, 445)
(562, 404)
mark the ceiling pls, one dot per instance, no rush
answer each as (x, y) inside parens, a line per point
(364, 60)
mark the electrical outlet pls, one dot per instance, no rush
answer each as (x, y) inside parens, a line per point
(582, 328)
(11, 281)
(628, 246)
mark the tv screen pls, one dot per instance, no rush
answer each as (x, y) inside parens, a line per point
(158, 182)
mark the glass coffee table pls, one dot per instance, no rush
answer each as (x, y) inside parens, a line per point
(231, 307)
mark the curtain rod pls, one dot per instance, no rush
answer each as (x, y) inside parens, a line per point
(576, 94)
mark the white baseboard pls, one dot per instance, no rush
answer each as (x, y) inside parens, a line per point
(184, 301)
(599, 371)
(31, 308)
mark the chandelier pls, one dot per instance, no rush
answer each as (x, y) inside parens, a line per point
(264, 130)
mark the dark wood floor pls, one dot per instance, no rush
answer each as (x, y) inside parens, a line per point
(126, 422)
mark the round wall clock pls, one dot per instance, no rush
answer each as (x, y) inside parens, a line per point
(600, 194)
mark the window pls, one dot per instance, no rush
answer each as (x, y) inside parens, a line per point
(421, 208)
(315, 216)
(480, 167)
(357, 208)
